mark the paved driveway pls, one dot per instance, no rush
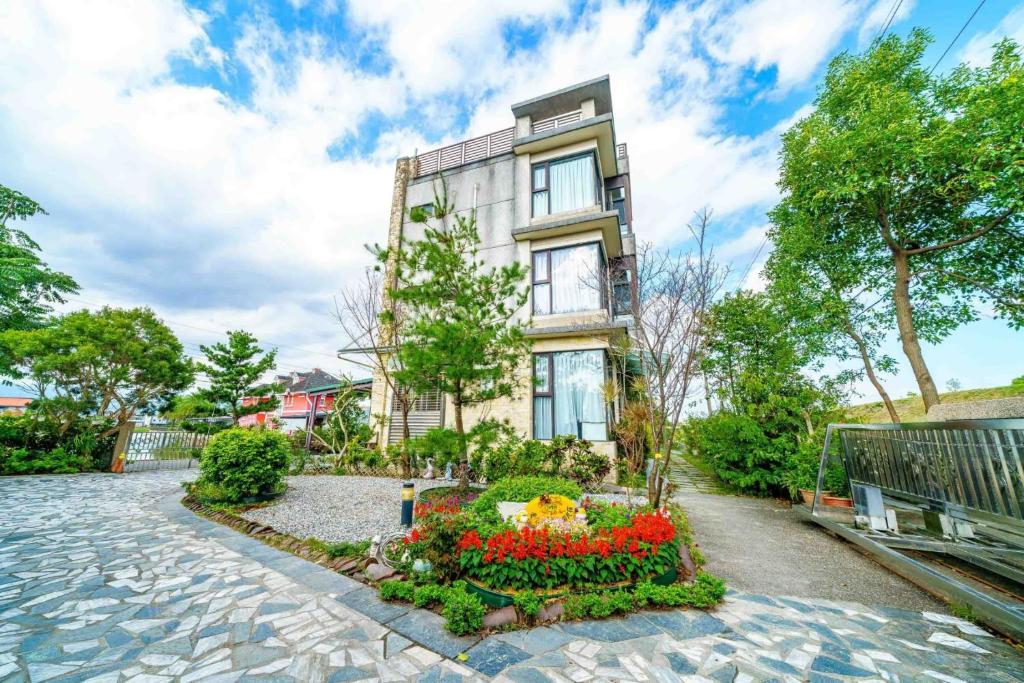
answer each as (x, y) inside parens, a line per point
(108, 578)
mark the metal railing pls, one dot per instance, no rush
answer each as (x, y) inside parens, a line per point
(464, 152)
(163, 450)
(969, 468)
(545, 125)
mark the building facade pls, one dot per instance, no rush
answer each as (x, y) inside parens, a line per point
(553, 193)
(305, 399)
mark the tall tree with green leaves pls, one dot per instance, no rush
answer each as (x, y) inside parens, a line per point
(110, 363)
(916, 178)
(462, 337)
(234, 370)
(28, 287)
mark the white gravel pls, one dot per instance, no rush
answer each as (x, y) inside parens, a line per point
(344, 508)
(338, 508)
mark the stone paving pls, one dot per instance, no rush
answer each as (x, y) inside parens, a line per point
(109, 578)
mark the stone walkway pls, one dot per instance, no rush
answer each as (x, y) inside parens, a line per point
(108, 578)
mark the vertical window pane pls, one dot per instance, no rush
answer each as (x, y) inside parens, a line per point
(542, 380)
(542, 417)
(539, 177)
(541, 299)
(540, 203)
(579, 395)
(540, 266)
(572, 184)
(575, 278)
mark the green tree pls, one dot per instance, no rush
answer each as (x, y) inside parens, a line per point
(917, 178)
(108, 364)
(27, 286)
(815, 283)
(461, 338)
(234, 370)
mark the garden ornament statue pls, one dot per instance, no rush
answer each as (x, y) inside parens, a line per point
(448, 472)
(429, 472)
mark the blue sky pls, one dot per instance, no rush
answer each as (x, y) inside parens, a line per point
(223, 161)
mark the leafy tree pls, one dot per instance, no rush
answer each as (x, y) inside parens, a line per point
(916, 177)
(108, 364)
(953, 384)
(811, 280)
(461, 337)
(27, 285)
(234, 370)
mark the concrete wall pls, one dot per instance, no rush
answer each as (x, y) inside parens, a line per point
(978, 410)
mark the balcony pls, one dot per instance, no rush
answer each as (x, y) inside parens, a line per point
(556, 122)
(584, 221)
(475, 149)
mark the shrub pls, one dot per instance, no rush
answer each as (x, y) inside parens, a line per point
(397, 590)
(602, 515)
(528, 603)
(341, 549)
(33, 444)
(245, 462)
(741, 453)
(439, 526)
(521, 490)
(579, 461)
(429, 594)
(440, 443)
(597, 605)
(463, 613)
(706, 591)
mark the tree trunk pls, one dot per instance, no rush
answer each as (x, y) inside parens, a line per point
(869, 368)
(406, 435)
(908, 336)
(463, 453)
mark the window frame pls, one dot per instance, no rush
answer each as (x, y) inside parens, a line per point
(550, 393)
(546, 165)
(602, 276)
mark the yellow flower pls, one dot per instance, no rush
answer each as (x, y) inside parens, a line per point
(544, 508)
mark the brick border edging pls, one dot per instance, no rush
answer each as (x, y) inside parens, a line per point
(347, 566)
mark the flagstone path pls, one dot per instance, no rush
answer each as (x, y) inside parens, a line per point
(108, 578)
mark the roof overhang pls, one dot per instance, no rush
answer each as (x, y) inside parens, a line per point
(612, 326)
(567, 99)
(605, 221)
(596, 127)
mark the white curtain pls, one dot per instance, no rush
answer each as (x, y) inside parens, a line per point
(572, 184)
(542, 417)
(579, 394)
(575, 279)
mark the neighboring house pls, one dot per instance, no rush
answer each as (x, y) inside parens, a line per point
(13, 405)
(306, 397)
(553, 193)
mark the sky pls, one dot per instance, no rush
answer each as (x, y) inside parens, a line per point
(224, 162)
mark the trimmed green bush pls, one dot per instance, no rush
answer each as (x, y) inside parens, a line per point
(521, 490)
(429, 594)
(463, 613)
(528, 602)
(397, 590)
(245, 463)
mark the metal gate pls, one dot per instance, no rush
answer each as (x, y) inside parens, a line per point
(157, 450)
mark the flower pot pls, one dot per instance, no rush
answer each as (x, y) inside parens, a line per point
(837, 501)
(494, 597)
(808, 495)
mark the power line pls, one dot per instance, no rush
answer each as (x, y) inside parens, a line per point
(750, 265)
(892, 15)
(956, 37)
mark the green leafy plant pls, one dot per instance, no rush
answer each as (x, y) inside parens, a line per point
(341, 549)
(397, 590)
(528, 603)
(463, 612)
(245, 463)
(582, 464)
(429, 594)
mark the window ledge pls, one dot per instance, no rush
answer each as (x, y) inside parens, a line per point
(609, 326)
(606, 221)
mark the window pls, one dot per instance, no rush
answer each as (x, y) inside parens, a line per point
(565, 185)
(622, 295)
(617, 202)
(568, 395)
(569, 279)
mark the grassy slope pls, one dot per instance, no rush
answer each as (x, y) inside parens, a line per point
(912, 409)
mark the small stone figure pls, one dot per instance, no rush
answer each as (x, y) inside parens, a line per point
(374, 547)
(429, 472)
(448, 472)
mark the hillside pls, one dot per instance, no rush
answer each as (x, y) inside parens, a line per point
(912, 409)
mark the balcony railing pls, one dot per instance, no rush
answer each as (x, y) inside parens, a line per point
(556, 121)
(464, 152)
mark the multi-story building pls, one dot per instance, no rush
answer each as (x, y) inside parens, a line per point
(305, 398)
(553, 193)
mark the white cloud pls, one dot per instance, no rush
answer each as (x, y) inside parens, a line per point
(978, 51)
(224, 214)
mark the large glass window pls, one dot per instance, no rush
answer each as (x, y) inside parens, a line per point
(568, 395)
(564, 185)
(568, 280)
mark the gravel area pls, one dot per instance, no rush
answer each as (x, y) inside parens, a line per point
(345, 508)
(335, 509)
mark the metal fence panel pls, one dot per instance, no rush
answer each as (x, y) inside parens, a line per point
(163, 450)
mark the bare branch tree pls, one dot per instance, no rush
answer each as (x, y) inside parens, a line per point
(674, 292)
(373, 325)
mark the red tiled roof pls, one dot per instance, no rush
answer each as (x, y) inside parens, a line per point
(14, 401)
